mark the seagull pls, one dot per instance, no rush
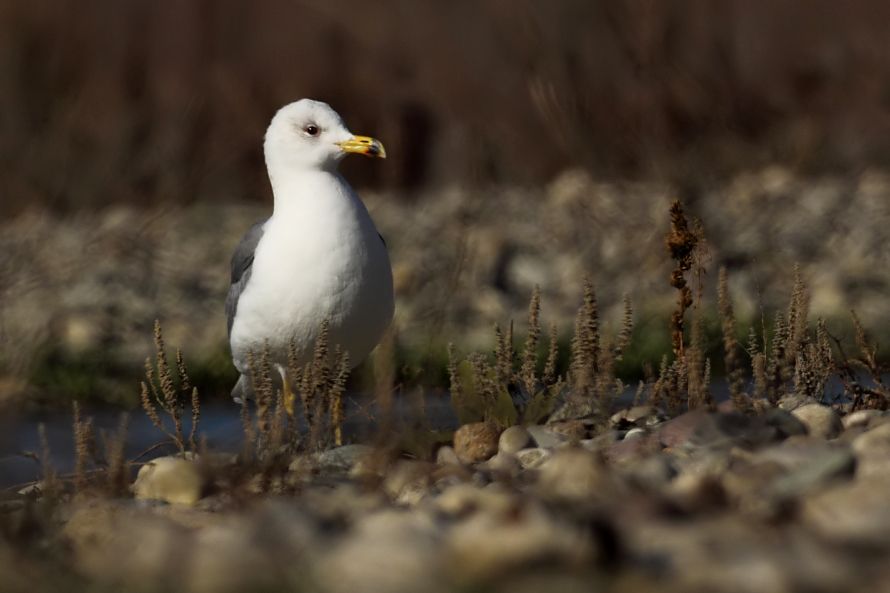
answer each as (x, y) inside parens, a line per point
(318, 257)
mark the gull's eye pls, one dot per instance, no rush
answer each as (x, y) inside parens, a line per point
(311, 130)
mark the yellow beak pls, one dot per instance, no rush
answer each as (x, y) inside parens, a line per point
(364, 145)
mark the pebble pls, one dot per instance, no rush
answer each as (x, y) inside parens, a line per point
(571, 429)
(785, 422)
(546, 438)
(503, 463)
(637, 415)
(463, 499)
(169, 479)
(514, 439)
(573, 475)
(821, 421)
(861, 418)
(339, 460)
(653, 472)
(533, 457)
(475, 442)
(446, 456)
(407, 482)
(635, 433)
(852, 514)
(876, 439)
(390, 550)
(488, 546)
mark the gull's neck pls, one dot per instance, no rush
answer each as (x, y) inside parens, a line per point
(297, 189)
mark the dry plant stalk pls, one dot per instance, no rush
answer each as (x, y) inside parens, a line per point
(549, 375)
(491, 389)
(798, 313)
(84, 446)
(336, 391)
(264, 391)
(528, 370)
(116, 474)
(681, 243)
(735, 373)
(321, 384)
(503, 356)
(814, 363)
(585, 345)
(863, 396)
(50, 483)
(159, 391)
(627, 329)
(249, 443)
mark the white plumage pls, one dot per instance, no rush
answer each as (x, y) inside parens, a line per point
(319, 256)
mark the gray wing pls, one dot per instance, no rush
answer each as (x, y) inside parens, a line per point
(242, 263)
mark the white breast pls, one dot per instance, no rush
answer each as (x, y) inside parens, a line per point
(320, 258)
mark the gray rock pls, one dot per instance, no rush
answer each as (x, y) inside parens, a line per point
(812, 467)
(337, 460)
(821, 421)
(513, 439)
(679, 431)
(407, 482)
(490, 546)
(503, 463)
(652, 472)
(635, 433)
(855, 513)
(872, 449)
(391, 551)
(861, 418)
(699, 428)
(786, 423)
(464, 499)
(546, 438)
(446, 456)
(601, 441)
(532, 458)
(793, 401)
(637, 415)
(574, 475)
(875, 440)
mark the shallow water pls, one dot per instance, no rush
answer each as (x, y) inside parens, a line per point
(220, 424)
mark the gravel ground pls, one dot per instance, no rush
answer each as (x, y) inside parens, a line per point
(783, 501)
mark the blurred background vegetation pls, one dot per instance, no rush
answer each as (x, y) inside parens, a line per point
(113, 101)
(125, 118)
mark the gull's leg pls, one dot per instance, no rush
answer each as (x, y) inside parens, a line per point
(286, 393)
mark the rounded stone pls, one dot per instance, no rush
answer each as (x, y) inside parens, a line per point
(573, 475)
(514, 439)
(446, 456)
(878, 438)
(533, 457)
(821, 421)
(546, 438)
(476, 441)
(503, 463)
(169, 479)
(861, 418)
(635, 433)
